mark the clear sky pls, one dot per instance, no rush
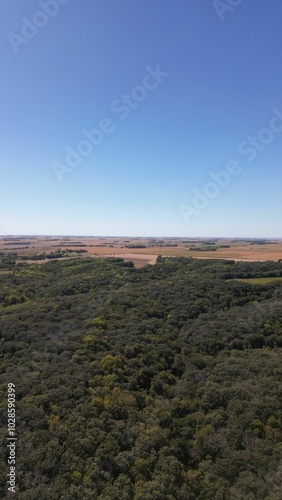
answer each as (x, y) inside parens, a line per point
(175, 90)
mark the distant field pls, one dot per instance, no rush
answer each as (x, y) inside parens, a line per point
(144, 251)
(258, 281)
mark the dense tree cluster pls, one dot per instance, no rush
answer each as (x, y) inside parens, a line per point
(203, 248)
(160, 383)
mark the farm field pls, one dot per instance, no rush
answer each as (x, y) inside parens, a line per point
(141, 251)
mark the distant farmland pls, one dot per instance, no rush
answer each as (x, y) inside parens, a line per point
(144, 251)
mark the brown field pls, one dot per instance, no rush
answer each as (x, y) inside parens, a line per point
(240, 250)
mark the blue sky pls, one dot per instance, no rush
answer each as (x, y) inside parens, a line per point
(82, 58)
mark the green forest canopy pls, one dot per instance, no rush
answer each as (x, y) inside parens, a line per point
(160, 383)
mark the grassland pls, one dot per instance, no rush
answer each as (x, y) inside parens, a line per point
(259, 281)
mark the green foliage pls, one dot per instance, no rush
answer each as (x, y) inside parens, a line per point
(161, 383)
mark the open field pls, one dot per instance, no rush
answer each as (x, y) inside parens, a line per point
(258, 281)
(141, 251)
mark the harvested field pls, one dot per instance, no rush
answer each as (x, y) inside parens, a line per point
(143, 251)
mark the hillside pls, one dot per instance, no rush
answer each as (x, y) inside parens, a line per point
(157, 383)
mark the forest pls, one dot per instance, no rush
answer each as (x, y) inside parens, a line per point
(158, 383)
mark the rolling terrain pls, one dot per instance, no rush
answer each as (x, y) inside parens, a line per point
(142, 251)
